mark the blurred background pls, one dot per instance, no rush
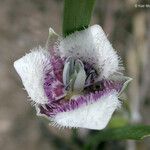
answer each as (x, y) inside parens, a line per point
(24, 24)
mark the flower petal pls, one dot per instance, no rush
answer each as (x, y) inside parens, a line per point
(92, 116)
(91, 45)
(31, 70)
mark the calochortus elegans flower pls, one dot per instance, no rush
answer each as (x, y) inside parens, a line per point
(74, 81)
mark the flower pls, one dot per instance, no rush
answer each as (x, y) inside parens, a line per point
(74, 81)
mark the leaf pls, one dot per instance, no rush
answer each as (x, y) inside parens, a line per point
(118, 121)
(77, 15)
(132, 132)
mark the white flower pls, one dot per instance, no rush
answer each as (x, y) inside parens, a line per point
(75, 81)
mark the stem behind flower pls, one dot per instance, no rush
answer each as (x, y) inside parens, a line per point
(77, 15)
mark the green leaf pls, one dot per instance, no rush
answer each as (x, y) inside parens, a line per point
(132, 132)
(118, 121)
(77, 15)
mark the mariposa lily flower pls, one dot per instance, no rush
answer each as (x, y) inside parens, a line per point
(74, 81)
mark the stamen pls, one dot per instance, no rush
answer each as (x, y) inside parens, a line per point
(74, 75)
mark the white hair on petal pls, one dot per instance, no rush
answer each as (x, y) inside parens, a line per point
(91, 45)
(31, 70)
(94, 116)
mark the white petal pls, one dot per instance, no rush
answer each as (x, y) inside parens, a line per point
(92, 45)
(31, 70)
(91, 116)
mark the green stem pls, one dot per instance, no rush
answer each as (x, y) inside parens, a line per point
(77, 15)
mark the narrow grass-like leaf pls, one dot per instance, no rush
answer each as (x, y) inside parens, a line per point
(77, 15)
(132, 132)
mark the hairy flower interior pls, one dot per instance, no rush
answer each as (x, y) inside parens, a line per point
(73, 100)
(76, 78)
(79, 86)
(80, 79)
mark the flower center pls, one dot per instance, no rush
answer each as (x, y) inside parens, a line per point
(77, 77)
(74, 75)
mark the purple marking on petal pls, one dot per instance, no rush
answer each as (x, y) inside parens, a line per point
(53, 84)
(58, 65)
(63, 105)
(55, 90)
(53, 87)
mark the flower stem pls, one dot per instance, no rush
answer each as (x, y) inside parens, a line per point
(77, 15)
